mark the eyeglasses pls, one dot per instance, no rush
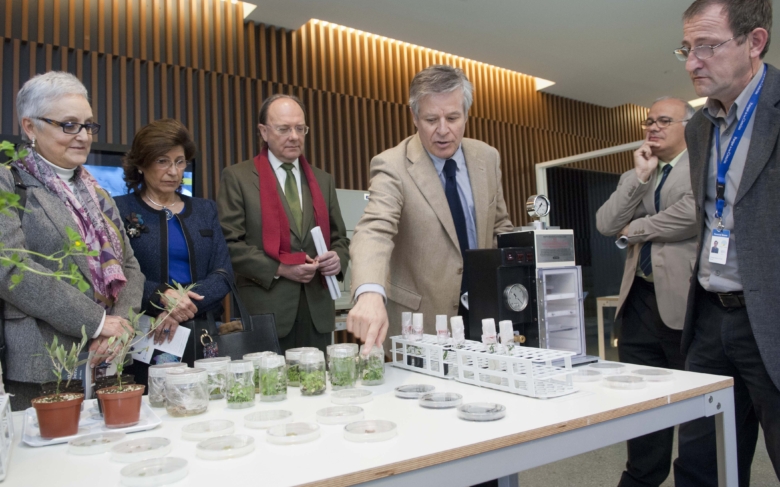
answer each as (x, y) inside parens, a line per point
(662, 122)
(73, 128)
(701, 52)
(286, 130)
(165, 164)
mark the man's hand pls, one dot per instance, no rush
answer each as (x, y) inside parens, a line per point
(185, 308)
(330, 264)
(645, 162)
(299, 273)
(368, 320)
(115, 326)
(624, 231)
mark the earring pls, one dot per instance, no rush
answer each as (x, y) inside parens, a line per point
(140, 172)
(32, 146)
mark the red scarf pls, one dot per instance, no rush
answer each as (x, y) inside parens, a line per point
(276, 226)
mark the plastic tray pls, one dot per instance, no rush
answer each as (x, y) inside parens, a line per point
(413, 391)
(441, 400)
(293, 433)
(224, 447)
(426, 356)
(89, 424)
(351, 396)
(207, 429)
(481, 411)
(624, 382)
(654, 375)
(154, 472)
(339, 415)
(608, 368)
(94, 444)
(140, 449)
(370, 431)
(587, 375)
(267, 419)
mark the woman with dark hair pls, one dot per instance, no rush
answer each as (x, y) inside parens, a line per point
(176, 238)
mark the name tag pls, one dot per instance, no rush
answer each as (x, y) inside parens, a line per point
(719, 246)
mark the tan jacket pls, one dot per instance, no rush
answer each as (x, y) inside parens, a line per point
(406, 239)
(672, 231)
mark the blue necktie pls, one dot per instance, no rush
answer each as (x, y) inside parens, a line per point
(645, 259)
(456, 208)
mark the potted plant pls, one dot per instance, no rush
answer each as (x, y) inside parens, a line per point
(59, 413)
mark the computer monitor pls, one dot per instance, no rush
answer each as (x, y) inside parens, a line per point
(106, 168)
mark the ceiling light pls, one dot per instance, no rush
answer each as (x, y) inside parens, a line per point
(542, 83)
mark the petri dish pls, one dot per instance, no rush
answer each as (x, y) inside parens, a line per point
(608, 368)
(339, 415)
(441, 400)
(413, 391)
(370, 431)
(586, 375)
(655, 375)
(625, 382)
(154, 472)
(94, 444)
(207, 429)
(224, 447)
(293, 433)
(267, 419)
(141, 449)
(351, 396)
(481, 411)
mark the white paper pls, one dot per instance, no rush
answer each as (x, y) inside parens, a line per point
(622, 242)
(144, 349)
(319, 244)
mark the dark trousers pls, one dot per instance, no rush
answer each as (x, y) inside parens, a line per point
(303, 333)
(644, 339)
(723, 344)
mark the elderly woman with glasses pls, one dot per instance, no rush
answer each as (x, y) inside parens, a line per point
(177, 238)
(60, 194)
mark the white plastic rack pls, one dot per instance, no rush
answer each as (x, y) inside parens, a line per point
(427, 356)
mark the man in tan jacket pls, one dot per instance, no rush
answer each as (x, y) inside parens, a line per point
(432, 197)
(652, 211)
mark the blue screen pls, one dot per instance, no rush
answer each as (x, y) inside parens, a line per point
(111, 179)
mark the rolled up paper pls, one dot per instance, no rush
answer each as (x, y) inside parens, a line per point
(319, 244)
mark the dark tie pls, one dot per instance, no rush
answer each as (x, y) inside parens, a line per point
(645, 259)
(456, 208)
(291, 194)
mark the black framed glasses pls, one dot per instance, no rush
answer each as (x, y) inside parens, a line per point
(701, 52)
(73, 128)
(661, 123)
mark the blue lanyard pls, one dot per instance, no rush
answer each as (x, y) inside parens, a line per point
(725, 163)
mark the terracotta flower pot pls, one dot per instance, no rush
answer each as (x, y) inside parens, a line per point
(58, 418)
(121, 409)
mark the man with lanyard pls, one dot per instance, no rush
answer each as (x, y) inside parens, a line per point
(731, 323)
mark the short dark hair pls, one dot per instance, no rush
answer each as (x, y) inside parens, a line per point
(263, 117)
(152, 141)
(743, 15)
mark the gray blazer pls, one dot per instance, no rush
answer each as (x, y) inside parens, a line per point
(672, 231)
(756, 219)
(41, 307)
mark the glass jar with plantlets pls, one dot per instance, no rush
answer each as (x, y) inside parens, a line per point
(216, 368)
(292, 357)
(240, 392)
(255, 358)
(273, 378)
(157, 375)
(372, 366)
(186, 393)
(312, 372)
(343, 366)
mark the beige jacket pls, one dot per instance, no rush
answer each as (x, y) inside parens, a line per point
(672, 231)
(406, 239)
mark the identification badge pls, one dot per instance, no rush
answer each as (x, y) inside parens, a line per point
(719, 246)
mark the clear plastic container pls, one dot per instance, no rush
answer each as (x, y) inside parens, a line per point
(94, 444)
(441, 400)
(154, 472)
(586, 375)
(624, 382)
(372, 368)
(187, 393)
(370, 431)
(156, 389)
(293, 433)
(342, 364)
(140, 449)
(609, 368)
(351, 396)
(339, 415)
(267, 419)
(293, 357)
(311, 372)
(654, 375)
(273, 378)
(481, 411)
(413, 391)
(207, 429)
(240, 384)
(224, 447)
(217, 375)
(255, 358)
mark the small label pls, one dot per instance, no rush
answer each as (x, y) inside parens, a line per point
(719, 246)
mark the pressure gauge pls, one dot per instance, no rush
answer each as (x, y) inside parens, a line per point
(537, 206)
(516, 297)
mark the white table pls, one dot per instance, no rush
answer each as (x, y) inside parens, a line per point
(601, 303)
(433, 447)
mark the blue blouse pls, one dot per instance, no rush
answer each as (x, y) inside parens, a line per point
(178, 254)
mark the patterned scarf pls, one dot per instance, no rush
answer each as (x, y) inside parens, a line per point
(97, 221)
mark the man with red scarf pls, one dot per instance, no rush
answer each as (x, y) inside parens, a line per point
(267, 207)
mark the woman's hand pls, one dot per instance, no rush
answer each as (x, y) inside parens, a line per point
(165, 330)
(115, 326)
(103, 352)
(185, 308)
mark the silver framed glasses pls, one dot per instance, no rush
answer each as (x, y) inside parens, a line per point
(701, 52)
(287, 130)
(165, 163)
(661, 123)
(73, 128)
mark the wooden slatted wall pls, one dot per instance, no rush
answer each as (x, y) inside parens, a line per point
(198, 61)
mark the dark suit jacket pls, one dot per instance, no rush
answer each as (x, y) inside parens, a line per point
(238, 203)
(756, 223)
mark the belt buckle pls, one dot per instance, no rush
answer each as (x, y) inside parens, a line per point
(729, 300)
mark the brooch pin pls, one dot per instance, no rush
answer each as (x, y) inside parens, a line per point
(135, 225)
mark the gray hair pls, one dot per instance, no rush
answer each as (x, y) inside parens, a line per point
(689, 110)
(42, 91)
(436, 79)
